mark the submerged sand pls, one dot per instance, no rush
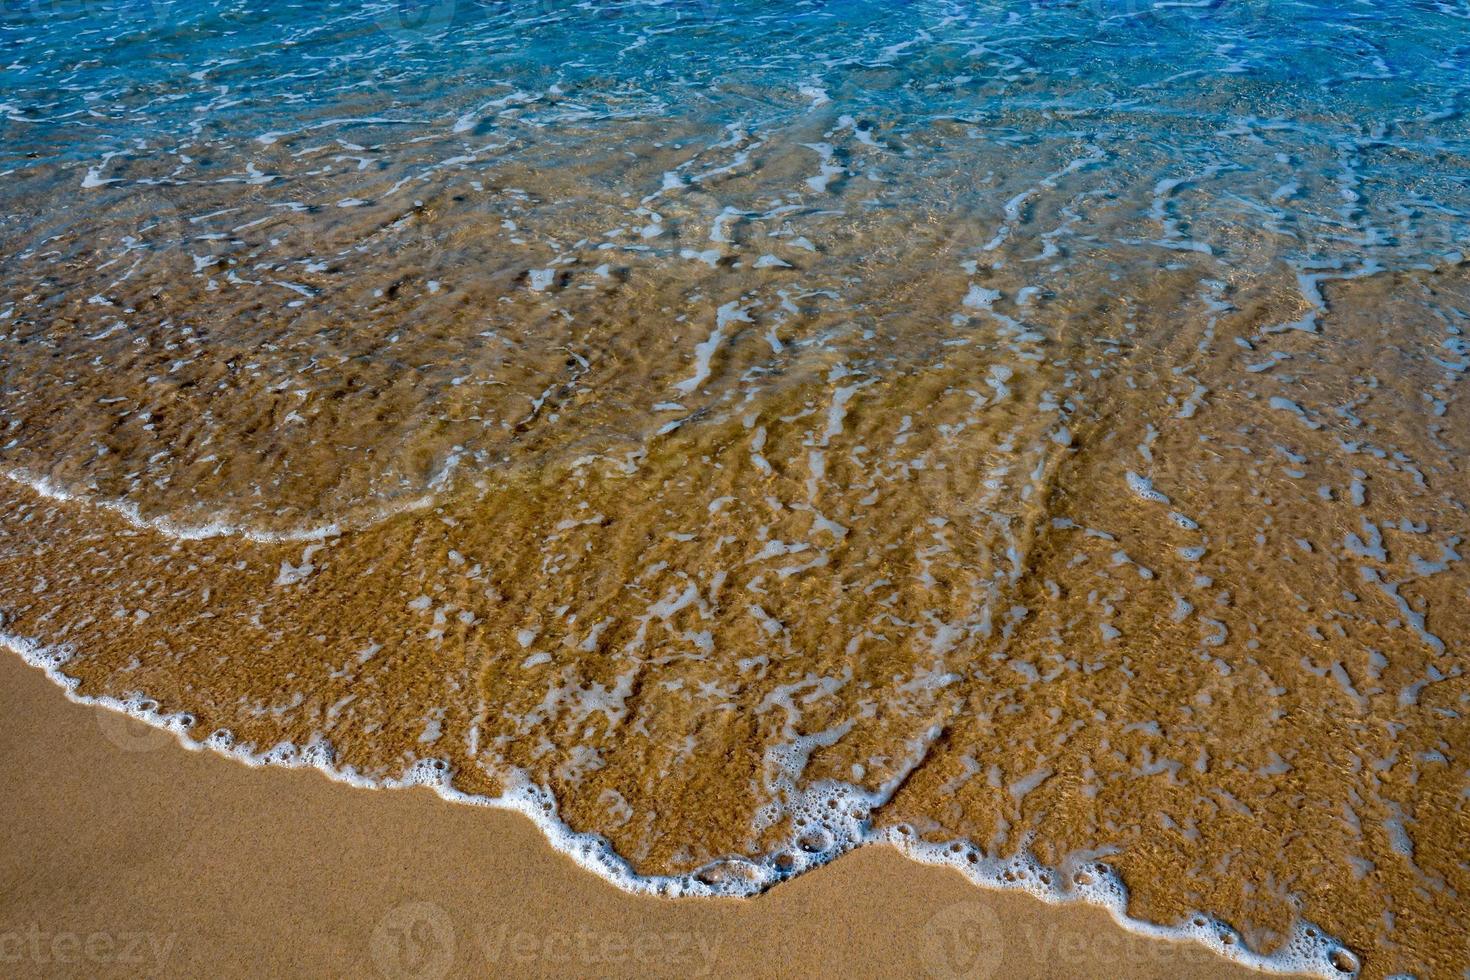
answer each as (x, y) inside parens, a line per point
(743, 497)
(1000, 633)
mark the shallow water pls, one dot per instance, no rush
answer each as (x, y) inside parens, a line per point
(758, 428)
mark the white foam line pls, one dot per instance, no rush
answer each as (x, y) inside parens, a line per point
(590, 851)
(1309, 950)
(48, 488)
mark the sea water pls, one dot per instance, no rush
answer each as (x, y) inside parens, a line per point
(731, 432)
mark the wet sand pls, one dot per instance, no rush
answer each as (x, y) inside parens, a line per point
(123, 854)
(1234, 673)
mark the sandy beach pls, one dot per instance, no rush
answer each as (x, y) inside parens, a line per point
(124, 854)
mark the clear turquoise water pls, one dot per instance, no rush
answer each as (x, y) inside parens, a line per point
(1332, 129)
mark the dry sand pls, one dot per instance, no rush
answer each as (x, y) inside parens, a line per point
(123, 854)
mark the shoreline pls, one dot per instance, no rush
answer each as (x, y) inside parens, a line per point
(731, 437)
(283, 869)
